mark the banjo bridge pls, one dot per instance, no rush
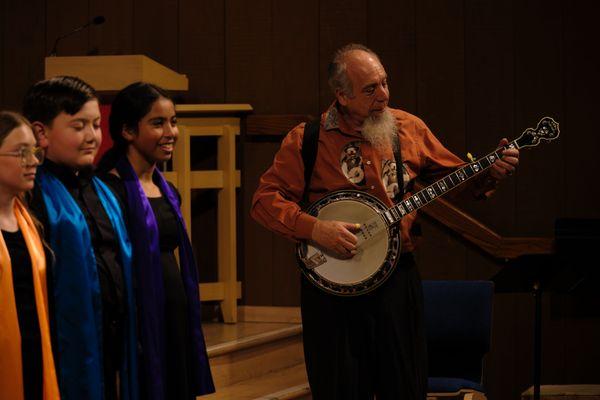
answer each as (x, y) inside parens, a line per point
(369, 229)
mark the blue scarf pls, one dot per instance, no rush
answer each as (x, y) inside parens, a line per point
(151, 296)
(78, 304)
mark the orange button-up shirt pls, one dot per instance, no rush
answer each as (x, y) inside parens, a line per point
(347, 161)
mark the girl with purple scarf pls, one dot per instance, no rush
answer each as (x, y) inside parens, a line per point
(173, 360)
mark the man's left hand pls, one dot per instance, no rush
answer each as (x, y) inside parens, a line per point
(507, 165)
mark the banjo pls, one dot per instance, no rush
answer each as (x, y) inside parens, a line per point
(379, 233)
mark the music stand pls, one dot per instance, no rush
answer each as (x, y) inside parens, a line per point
(530, 274)
(563, 272)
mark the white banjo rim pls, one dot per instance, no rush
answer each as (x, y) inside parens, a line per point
(384, 270)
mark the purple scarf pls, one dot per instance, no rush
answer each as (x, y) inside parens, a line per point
(150, 287)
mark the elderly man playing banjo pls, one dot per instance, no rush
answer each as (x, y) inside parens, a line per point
(361, 296)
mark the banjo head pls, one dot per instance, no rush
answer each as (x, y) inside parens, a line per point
(376, 256)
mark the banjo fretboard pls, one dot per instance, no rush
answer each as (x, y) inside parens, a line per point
(546, 129)
(444, 185)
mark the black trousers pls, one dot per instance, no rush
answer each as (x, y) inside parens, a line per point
(371, 345)
(112, 350)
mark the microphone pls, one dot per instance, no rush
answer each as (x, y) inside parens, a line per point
(97, 20)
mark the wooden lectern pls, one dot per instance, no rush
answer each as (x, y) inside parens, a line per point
(113, 73)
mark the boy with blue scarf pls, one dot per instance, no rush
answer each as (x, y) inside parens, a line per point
(90, 285)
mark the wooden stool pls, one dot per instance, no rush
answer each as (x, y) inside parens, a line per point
(565, 392)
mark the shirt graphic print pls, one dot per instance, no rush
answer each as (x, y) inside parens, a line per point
(352, 164)
(389, 177)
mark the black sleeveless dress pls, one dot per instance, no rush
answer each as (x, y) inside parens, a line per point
(176, 316)
(31, 342)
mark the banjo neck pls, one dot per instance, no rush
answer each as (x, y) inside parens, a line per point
(546, 130)
(439, 188)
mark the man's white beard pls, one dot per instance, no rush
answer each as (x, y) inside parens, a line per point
(379, 130)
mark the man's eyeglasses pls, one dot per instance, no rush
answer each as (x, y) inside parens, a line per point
(27, 155)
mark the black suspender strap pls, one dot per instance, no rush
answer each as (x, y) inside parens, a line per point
(399, 169)
(310, 148)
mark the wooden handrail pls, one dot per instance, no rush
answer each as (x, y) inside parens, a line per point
(482, 236)
(441, 210)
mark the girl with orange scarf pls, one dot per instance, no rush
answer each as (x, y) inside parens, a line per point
(27, 365)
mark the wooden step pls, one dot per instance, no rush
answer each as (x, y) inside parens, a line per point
(284, 384)
(246, 351)
(298, 392)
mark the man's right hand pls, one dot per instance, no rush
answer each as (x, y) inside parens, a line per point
(336, 236)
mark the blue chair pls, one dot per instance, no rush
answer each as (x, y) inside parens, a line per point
(458, 318)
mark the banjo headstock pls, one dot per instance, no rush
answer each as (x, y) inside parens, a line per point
(546, 129)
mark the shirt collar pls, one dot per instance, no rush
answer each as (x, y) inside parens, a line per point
(67, 175)
(333, 120)
(331, 117)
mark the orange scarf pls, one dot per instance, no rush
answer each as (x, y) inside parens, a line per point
(11, 370)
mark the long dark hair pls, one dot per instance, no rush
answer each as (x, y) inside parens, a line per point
(129, 107)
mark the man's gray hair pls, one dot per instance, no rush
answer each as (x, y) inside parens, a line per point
(338, 77)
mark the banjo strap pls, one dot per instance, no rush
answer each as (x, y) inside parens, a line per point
(310, 148)
(399, 170)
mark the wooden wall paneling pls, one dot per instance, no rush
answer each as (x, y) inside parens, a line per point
(440, 103)
(340, 23)
(60, 22)
(580, 137)
(115, 36)
(295, 62)
(272, 61)
(440, 256)
(248, 79)
(155, 31)
(489, 93)
(489, 117)
(441, 71)
(538, 81)
(258, 242)
(23, 49)
(249, 59)
(274, 126)
(392, 35)
(202, 49)
(295, 41)
(580, 140)
(540, 179)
